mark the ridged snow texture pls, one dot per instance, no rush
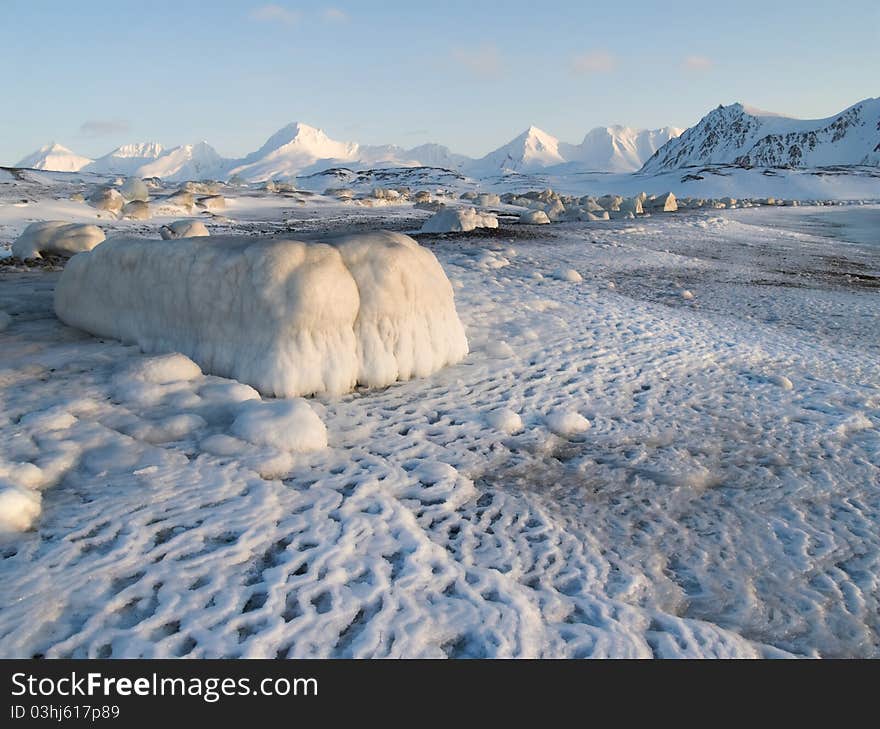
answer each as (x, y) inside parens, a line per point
(288, 317)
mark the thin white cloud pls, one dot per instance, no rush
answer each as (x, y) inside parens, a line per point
(697, 63)
(593, 62)
(104, 127)
(335, 15)
(485, 61)
(275, 14)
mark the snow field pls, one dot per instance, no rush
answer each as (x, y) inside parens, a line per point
(707, 511)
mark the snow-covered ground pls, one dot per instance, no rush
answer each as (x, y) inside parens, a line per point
(616, 468)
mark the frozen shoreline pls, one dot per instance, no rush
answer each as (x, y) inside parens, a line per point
(723, 501)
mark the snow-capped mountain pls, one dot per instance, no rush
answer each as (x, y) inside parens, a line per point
(603, 149)
(532, 150)
(56, 158)
(617, 148)
(739, 134)
(127, 159)
(187, 162)
(734, 134)
(299, 149)
(436, 155)
(302, 149)
(425, 155)
(291, 150)
(142, 159)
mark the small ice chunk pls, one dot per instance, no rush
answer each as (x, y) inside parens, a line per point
(289, 425)
(567, 422)
(136, 210)
(569, 274)
(534, 217)
(461, 220)
(57, 238)
(19, 507)
(781, 381)
(166, 368)
(184, 229)
(505, 420)
(499, 349)
(134, 189)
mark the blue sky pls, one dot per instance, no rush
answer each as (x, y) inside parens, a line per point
(93, 75)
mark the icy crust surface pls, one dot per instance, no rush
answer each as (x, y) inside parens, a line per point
(288, 317)
(723, 501)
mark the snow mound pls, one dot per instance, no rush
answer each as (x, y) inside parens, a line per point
(136, 210)
(19, 507)
(166, 369)
(184, 229)
(106, 198)
(212, 202)
(287, 317)
(135, 189)
(458, 220)
(288, 425)
(57, 238)
(781, 381)
(567, 423)
(499, 349)
(485, 200)
(568, 274)
(180, 200)
(534, 217)
(505, 420)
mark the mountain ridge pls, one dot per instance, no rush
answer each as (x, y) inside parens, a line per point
(735, 134)
(742, 135)
(298, 148)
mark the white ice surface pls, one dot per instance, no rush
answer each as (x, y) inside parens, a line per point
(710, 510)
